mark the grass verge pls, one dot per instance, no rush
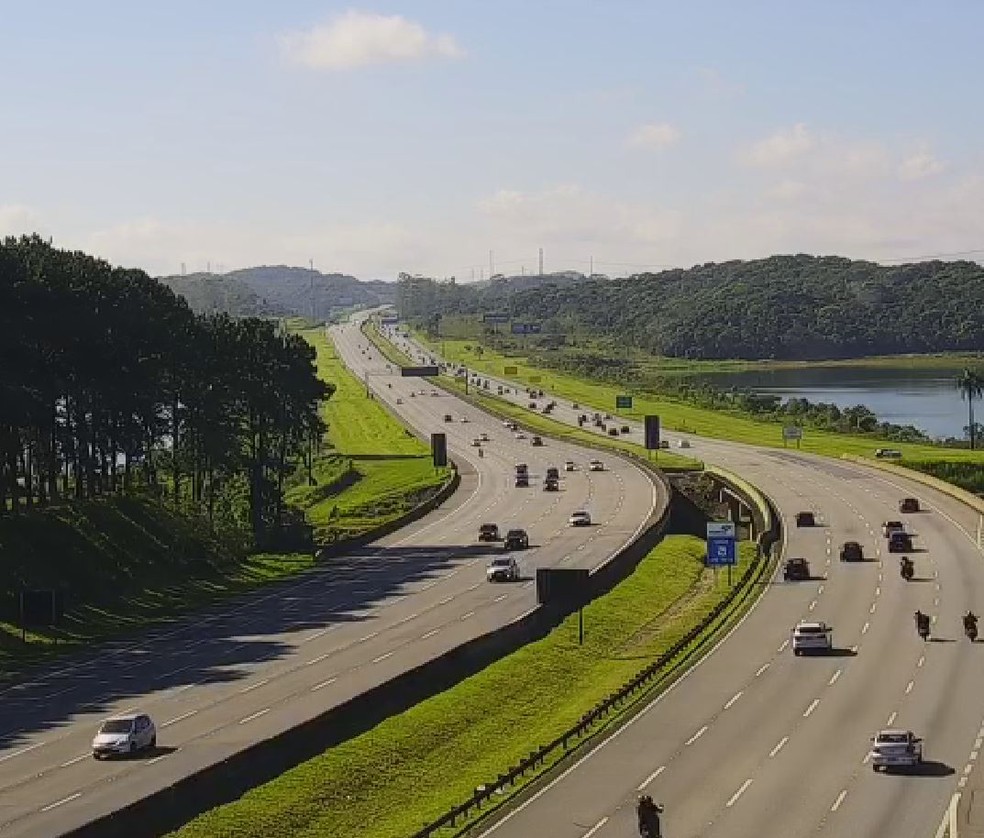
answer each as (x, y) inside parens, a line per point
(679, 416)
(124, 564)
(384, 470)
(413, 767)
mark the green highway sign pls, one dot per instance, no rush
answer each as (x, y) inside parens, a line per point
(623, 402)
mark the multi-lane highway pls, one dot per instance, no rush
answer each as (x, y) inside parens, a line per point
(755, 741)
(218, 682)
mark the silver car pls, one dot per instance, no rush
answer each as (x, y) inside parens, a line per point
(124, 735)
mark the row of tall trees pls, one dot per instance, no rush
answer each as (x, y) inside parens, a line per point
(108, 381)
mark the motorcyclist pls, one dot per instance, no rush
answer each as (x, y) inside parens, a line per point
(648, 812)
(905, 567)
(970, 619)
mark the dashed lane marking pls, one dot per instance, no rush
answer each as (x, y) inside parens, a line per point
(61, 802)
(779, 746)
(650, 778)
(741, 790)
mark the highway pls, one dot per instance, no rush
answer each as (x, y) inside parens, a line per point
(755, 741)
(219, 681)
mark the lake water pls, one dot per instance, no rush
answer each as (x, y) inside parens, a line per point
(924, 397)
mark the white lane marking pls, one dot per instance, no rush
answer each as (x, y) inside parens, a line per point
(254, 686)
(783, 645)
(779, 747)
(323, 684)
(650, 778)
(315, 636)
(811, 708)
(61, 802)
(820, 590)
(921, 661)
(908, 688)
(13, 754)
(74, 760)
(431, 633)
(383, 657)
(733, 699)
(696, 736)
(891, 719)
(446, 600)
(318, 659)
(839, 800)
(500, 597)
(865, 627)
(162, 756)
(180, 718)
(761, 669)
(596, 827)
(734, 798)
(368, 637)
(474, 587)
(407, 619)
(253, 716)
(871, 610)
(813, 605)
(469, 614)
(878, 591)
(834, 677)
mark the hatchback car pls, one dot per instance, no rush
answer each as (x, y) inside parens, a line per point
(580, 519)
(851, 552)
(805, 519)
(124, 735)
(908, 505)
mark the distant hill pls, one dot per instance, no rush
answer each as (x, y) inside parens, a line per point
(784, 307)
(278, 291)
(505, 285)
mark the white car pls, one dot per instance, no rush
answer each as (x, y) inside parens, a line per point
(812, 637)
(683, 443)
(569, 466)
(464, 420)
(502, 569)
(596, 465)
(520, 435)
(893, 747)
(580, 519)
(124, 735)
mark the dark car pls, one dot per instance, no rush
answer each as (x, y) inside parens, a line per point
(908, 505)
(899, 542)
(796, 570)
(522, 480)
(551, 484)
(517, 540)
(851, 552)
(536, 441)
(553, 473)
(488, 532)
(805, 519)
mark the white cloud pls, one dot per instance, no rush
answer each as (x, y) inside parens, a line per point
(657, 135)
(920, 165)
(781, 148)
(358, 39)
(17, 220)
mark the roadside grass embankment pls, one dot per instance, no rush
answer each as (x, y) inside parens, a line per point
(676, 415)
(413, 767)
(124, 564)
(387, 472)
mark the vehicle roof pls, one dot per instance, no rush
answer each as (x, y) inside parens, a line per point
(125, 717)
(517, 531)
(488, 525)
(811, 624)
(894, 731)
(796, 560)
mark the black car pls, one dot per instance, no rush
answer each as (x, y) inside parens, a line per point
(522, 481)
(899, 542)
(805, 519)
(852, 552)
(553, 473)
(517, 540)
(488, 532)
(908, 505)
(551, 484)
(796, 570)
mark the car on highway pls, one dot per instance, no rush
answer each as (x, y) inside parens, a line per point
(888, 454)
(812, 637)
(596, 465)
(805, 519)
(399, 401)
(888, 527)
(476, 442)
(683, 443)
(488, 532)
(502, 569)
(522, 480)
(516, 539)
(553, 472)
(519, 435)
(909, 505)
(796, 570)
(569, 466)
(123, 735)
(464, 420)
(536, 441)
(895, 748)
(900, 542)
(852, 551)
(581, 518)
(448, 417)
(551, 484)
(664, 443)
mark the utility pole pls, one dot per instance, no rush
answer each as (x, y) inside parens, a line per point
(541, 261)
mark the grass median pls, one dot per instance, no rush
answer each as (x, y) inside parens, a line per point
(387, 469)
(413, 767)
(680, 416)
(389, 350)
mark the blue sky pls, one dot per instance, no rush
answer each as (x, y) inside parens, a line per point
(419, 136)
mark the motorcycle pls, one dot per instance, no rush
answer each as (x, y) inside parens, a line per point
(970, 629)
(649, 826)
(906, 569)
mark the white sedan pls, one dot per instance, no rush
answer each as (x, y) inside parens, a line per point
(596, 465)
(580, 519)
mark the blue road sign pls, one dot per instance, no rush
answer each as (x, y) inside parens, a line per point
(721, 551)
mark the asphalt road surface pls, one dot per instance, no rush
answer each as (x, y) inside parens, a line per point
(755, 741)
(217, 682)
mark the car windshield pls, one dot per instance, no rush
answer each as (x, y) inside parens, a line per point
(812, 630)
(500, 563)
(117, 726)
(893, 738)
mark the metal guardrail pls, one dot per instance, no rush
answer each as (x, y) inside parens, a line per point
(574, 735)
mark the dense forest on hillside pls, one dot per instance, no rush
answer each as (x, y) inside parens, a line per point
(278, 291)
(109, 383)
(784, 307)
